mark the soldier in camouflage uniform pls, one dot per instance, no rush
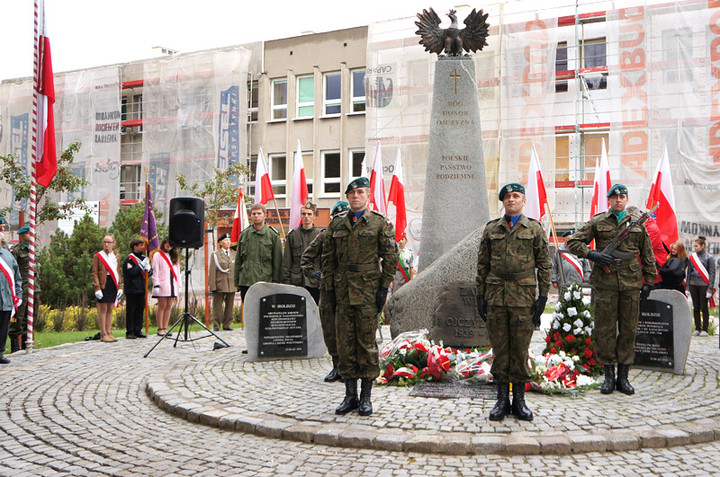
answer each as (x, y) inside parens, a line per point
(510, 297)
(617, 293)
(18, 323)
(259, 253)
(311, 264)
(296, 242)
(359, 260)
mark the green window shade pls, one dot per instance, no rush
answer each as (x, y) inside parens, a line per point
(306, 88)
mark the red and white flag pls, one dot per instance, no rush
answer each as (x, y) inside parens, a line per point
(240, 219)
(535, 189)
(299, 193)
(397, 197)
(377, 184)
(601, 185)
(263, 187)
(661, 193)
(45, 156)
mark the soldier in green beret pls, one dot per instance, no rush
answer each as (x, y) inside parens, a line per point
(18, 323)
(359, 259)
(513, 280)
(311, 264)
(617, 287)
(259, 253)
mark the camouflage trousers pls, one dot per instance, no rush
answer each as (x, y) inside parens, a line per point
(616, 321)
(510, 330)
(327, 321)
(18, 327)
(356, 326)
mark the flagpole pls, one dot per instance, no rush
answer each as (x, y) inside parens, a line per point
(277, 210)
(145, 300)
(557, 247)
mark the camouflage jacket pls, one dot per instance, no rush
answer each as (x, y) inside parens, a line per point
(507, 263)
(295, 244)
(258, 257)
(358, 258)
(21, 252)
(311, 260)
(629, 274)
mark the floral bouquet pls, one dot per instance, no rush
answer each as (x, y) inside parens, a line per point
(557, 373)
(411, 357)
(474, 364)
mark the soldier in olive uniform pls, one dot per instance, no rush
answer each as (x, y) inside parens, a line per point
(221, 284)
(295, 244)
(619, 289)
(510, 297)
(18, 323)
(259, 253)
(359, 260)
(311, 263)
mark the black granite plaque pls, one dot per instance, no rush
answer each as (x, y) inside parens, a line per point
(456, 321)
(654, 341)
(283, 326)
(453, 388)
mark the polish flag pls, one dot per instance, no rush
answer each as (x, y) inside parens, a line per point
(240, 219)
(377, 184)
(45, 156)
(299, 194)
(263, 187)
(601, 185)
(397, 197)
(535, 189)
(661, 193)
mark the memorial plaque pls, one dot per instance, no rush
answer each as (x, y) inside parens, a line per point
(283, 326)
(453, 388)
(654, 341)
(456, 322)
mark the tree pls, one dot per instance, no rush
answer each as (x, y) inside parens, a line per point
(15, 174)
(219, 191)
(127, 223)
(66, 265)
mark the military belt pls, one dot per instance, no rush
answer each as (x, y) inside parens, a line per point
(358, 267)
(515, 276)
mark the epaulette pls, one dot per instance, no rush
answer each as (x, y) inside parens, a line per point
(380, 214)
(273, 229)
(534, 220)
(599, 213)
(493, 221)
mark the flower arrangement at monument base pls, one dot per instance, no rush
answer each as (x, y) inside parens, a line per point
(557, 373)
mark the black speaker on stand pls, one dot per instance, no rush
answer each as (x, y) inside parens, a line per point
(187, 220)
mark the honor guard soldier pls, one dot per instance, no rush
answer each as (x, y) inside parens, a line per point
(359, 257)
(18, 323)
(221, 284)
(617, 285)
(513, 279)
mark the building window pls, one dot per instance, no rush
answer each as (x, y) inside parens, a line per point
(130, 182)
(124, 109)
(592, 150)
(279, 99)
(305, 97)
(308, 164)
(561, 65)
(250, 186)
(330, 172)
(594, 55)
(357, 86)
(356, 164)
(278, 174)
(562, 158)
(252, 101)
(331, 94)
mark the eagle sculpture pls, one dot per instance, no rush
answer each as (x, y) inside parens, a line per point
(452, 40)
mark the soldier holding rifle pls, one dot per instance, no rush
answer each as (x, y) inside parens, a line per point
(620, 281)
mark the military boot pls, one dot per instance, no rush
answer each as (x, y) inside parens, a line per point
(365, 406)
(333, 374)
(519, 408)
(14, 344)
(622, 384)
(350, 402)
(609, 384)
(502, 406)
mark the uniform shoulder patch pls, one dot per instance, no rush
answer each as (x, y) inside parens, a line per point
(380, 214)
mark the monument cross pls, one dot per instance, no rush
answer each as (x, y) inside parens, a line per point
(455, 77)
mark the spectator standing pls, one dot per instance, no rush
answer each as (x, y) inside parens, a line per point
(107, 285)
(10, 295)
(699, 284)
(405, 267)
(296, 242)
(673, 272)
(259, 254)
(136, 268)
(166, 283)
(18, 323)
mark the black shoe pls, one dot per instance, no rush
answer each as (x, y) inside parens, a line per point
(130, 336)
(140, 334)
(365, 405)
(244, 351)
(227, 329)
(14, 345)
(609, 384)
(502, 406)
(4, 360)
(333, 375)
(622, 384)
(168, 335)
(519, 408)
(350, 402)
(216, 328)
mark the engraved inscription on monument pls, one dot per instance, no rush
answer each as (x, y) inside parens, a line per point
(654, 345)
(455, 321)
(283, 326)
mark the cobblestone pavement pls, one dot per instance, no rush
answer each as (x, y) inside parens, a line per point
(83, 409)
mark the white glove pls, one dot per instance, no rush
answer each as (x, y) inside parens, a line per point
(687, 293)
(119, 294)
(145, 264)
(99, 294)
(708, 295)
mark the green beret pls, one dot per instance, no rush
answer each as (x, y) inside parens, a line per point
(357, 183)
(24, 229)
(341, 206)
(617, 189)
(512, 187)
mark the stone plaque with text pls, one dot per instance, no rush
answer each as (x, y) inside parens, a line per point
(283, 326)
(456, 322)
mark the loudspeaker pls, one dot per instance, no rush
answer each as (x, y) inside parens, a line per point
(187, 216)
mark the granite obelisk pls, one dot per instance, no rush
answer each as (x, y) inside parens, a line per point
(456, 198)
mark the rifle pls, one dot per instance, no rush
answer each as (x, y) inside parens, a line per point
(611, 248)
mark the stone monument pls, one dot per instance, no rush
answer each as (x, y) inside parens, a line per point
(456, 197)
(456, 321)
(282, 322)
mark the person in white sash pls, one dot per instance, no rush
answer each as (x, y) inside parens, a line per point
(10, 295)
(166, 283)
(107, 285)
(574, 269)
(699, 284)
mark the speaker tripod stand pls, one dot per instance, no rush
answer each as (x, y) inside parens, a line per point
(186, 319)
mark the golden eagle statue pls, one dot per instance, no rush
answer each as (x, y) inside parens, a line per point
(452, 40)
